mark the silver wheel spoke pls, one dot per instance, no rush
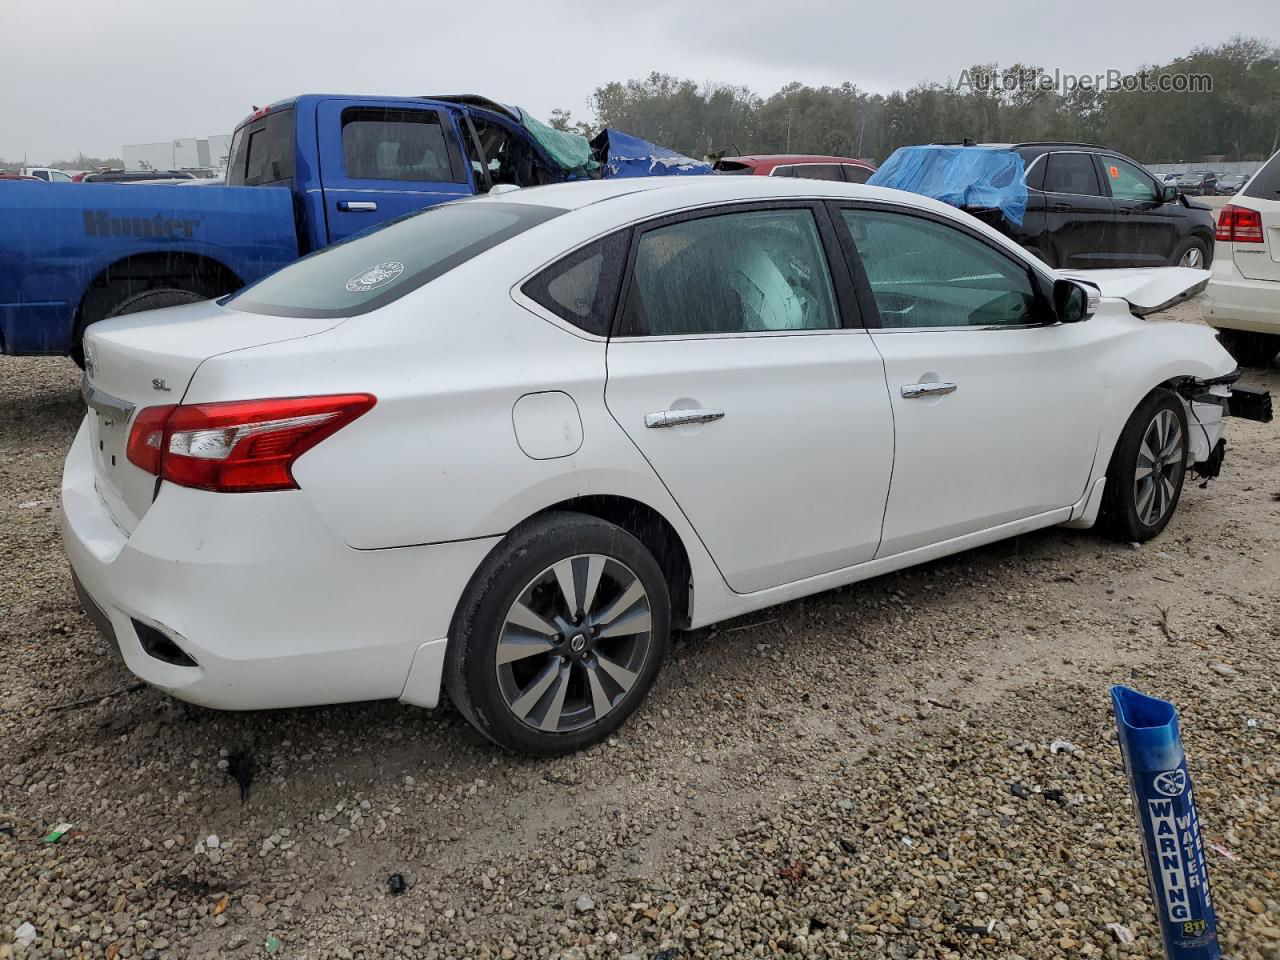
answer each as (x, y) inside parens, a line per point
(620, 674)
(568, 587)
(599, 699)
(636, 621)
(551, 721)
(513, 648)
(522, 616)
(1145, 493)
(1142, 472)
(595, 568)
(625, 601)
(535, 690)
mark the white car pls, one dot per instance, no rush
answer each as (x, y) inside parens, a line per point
(1243, 296)
(504, 446)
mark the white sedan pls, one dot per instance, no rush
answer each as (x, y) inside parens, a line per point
(504, 446)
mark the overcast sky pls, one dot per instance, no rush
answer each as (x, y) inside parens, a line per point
(92, 75)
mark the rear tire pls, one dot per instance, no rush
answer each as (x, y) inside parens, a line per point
(540, 672)
(1250, 349)
(154, 299)
(1147, 469)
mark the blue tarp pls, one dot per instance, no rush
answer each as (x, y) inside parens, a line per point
(967, 177)
(628, 156)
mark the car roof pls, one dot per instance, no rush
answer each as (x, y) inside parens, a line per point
(691, 191)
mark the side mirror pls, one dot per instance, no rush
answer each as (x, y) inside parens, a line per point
(1170, 194)
(1070, 302)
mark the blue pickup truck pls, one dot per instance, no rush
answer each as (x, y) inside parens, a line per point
(302, 173)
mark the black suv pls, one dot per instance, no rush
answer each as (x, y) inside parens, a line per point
(1088, 206)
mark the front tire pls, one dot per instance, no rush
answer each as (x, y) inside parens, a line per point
(1250, 349)
(1192, 253)
(559, 636)
(1147, 469)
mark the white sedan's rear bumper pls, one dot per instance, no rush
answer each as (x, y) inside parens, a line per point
(272, 607)
(1232, 302)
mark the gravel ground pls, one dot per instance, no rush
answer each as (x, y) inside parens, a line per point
(865, 773)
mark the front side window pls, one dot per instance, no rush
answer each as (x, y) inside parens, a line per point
(384, 144)
(1071, 173)
(924, 273)
(746, 272)
(582, 288)
(1127, 181)
(508, 156)
(375, 268)
(57, 176)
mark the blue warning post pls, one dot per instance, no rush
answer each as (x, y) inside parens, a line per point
(1166, 811)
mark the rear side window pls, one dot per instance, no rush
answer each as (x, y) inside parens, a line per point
(856, 174)
(375, 268)
(818, 171)
(1266, 185)
(582, 288)
(1072, 173)
(262, 151)
(740, 273)
(733, 167)
(1035, 173)
(382, 144)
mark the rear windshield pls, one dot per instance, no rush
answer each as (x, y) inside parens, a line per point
(262, 151)
(1266, 185)
(372, 269)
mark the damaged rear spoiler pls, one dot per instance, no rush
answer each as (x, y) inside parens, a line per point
(1147, 290)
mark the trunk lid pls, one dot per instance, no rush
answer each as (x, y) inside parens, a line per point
(1146, 289)
(147, 360)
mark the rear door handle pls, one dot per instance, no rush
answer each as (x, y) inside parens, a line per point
(676, 418)
(357, 206)
(1059, 206)
(913, 390)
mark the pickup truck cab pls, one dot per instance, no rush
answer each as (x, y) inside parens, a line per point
(302, 173)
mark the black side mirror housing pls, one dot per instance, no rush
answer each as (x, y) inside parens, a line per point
(1070, 302)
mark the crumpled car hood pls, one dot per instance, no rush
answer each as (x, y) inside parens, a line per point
(1146, 289)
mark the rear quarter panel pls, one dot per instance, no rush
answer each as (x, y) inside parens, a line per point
(54, 240)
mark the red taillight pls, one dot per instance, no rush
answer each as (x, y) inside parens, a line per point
(237, 447)
(1239, 225)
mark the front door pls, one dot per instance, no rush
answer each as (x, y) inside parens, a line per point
(995, 410)
(1145, 226)
(763, 413)
(383, 159)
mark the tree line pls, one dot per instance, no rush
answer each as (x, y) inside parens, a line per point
(1163, 120)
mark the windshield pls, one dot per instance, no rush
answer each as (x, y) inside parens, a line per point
(373, 269)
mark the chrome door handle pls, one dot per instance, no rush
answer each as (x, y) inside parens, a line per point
(357, 206)
(913, 390)
(676, 418)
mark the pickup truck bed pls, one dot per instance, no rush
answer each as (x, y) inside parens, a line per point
(64, 246)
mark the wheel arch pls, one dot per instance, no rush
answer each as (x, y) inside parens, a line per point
(653, 530)
(136, 273)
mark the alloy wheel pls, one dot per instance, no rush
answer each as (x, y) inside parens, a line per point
(574, 643)
(1194, 258)
(1161, 457)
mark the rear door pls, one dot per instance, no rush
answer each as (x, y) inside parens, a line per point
(1078, 215)
(1261, 261)
(382, 159)
(1146, 228)
(734, 370)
